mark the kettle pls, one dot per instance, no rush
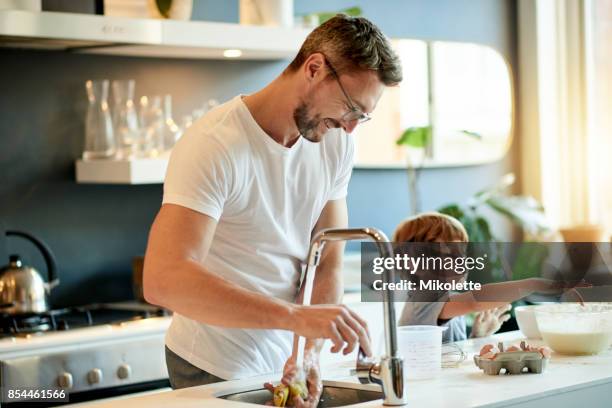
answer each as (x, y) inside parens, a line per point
(22, 289)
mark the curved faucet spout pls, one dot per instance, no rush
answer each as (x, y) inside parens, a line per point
(389, 371)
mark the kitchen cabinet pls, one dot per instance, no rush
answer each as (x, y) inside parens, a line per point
(93, 34)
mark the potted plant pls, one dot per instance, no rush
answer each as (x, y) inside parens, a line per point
(418, 143)
(523, 211)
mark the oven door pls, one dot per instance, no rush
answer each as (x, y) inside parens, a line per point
(90, 371)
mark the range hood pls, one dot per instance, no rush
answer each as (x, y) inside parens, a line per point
(86, 33)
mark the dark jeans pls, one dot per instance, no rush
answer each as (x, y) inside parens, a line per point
(183, 374)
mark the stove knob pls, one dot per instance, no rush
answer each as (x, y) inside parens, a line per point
(124, 371)
(94, 376)
(62, 325)
(64, 380)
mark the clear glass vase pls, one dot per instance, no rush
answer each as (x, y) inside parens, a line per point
(125, 119)
(99, 135)
(151, 126)
(171, 129)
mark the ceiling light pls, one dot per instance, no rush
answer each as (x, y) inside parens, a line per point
(232, 53)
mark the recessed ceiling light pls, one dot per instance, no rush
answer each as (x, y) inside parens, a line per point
(232, 53)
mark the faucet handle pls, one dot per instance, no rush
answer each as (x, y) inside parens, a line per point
(362, 359)
(363, 366)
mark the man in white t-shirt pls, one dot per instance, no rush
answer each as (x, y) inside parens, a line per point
(247, 186)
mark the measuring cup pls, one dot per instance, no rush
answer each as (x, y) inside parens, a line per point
(421, 348)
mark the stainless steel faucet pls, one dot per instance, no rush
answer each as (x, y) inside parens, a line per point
(389, 371)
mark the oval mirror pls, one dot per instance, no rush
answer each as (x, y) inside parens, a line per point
(454, 107)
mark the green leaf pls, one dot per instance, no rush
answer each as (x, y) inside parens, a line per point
(529, 260)
(418, 137)
(453, 210)
(324, 16)
(350, 11)
(484, 230)
(525, 211)
(164, 7)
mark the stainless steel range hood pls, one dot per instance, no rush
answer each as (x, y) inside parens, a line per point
(144, 37)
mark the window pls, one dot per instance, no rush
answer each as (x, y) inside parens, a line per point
(565, 102)
(598, 25)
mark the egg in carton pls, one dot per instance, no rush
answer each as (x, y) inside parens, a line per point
(514, 360)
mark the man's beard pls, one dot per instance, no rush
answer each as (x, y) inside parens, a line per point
(307, 125)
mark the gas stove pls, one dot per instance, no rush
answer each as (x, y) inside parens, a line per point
(89, 352)
(23, 325)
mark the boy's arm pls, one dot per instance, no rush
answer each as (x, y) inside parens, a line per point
(503, 292)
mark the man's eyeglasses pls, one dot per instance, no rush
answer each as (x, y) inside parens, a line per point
(354, 113)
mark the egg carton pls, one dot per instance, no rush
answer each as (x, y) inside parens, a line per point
(513, 362)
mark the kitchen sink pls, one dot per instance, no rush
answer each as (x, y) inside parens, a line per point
(335, 394)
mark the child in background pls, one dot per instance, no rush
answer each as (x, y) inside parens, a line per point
(437, 227)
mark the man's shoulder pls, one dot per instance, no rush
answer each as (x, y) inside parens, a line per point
(219, 129)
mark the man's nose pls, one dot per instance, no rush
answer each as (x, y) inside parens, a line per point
(350, 126)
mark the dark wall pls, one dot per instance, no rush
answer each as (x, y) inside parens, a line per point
(95, 230)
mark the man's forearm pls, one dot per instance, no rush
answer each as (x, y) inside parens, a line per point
(192, 291)
(328, 286)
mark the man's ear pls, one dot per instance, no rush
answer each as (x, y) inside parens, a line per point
(314, 66)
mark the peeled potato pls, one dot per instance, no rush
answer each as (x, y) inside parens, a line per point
(298, 388)
(281, 394)
(284, 394)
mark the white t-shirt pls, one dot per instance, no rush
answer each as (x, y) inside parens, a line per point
(266, 199)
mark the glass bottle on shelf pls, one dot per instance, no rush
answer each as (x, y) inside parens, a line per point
(171, 129)
(151, 126)
(125, 118)
(99, 136)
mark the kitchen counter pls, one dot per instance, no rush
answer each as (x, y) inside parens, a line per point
(569, 381)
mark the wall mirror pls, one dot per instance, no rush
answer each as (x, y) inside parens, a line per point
(463, 91)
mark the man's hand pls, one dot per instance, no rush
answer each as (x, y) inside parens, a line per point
(338, 323)
(489, 321)
(292, 374)
(312, 372)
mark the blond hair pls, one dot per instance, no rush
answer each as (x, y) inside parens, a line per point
(430, 227)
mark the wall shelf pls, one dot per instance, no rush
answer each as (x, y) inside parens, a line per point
(136, 171)
(84, 33)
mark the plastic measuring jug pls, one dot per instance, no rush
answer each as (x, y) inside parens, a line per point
(421, 348)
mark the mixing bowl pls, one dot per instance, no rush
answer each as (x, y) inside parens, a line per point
(571, 328)
(526, 319)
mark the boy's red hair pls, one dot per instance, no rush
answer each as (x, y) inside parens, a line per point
(430, 227)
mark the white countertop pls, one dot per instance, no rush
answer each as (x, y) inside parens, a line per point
(568, 381)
